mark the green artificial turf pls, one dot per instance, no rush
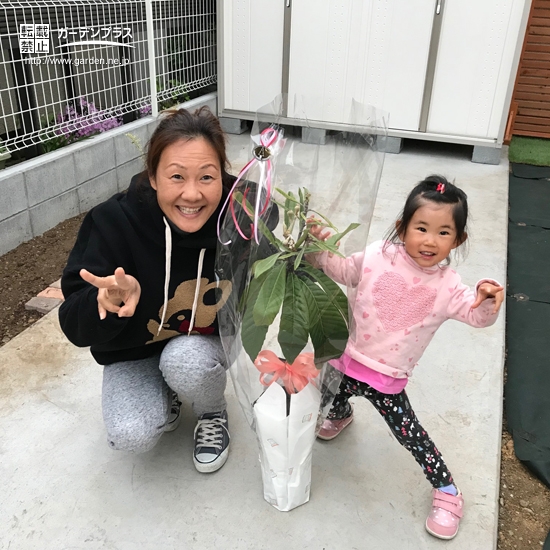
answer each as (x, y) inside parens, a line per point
(526, 150)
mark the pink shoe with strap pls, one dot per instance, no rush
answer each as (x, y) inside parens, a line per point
(331, 428)
(444, 518)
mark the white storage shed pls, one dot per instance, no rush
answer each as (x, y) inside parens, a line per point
(443, 69)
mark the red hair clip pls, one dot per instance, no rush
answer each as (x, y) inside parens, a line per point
(441, 188)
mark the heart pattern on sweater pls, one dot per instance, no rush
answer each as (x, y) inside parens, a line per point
(398, 305)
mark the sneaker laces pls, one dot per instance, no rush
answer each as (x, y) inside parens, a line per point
(210, 432)
(176, 403)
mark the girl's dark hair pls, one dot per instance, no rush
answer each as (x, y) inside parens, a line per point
(178, 124)
(435, 189)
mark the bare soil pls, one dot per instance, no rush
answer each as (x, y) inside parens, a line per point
(524, 518)
(29, 269)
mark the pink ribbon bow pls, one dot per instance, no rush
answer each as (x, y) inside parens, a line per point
(441, 188)
(295, 377)
(268, 138)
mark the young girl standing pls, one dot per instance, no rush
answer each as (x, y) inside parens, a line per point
(405, 290)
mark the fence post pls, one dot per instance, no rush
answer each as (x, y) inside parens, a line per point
(151, 55)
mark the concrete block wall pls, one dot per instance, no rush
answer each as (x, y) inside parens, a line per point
(38, 194)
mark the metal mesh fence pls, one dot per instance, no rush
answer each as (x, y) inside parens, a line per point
(70, 69)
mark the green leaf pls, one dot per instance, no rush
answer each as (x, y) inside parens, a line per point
(286, 220)
(298, 259)
(252, 335)
(289, 210)
(268, 234)
(292, 208)
(323, 246)
(293, 328)
(303, 234)
(324, 218)
(270, 237)
(331, 289)
(333, 239)
(314, 249)
(270, 296)
(261, 266)
(327, 328)
(288, 196)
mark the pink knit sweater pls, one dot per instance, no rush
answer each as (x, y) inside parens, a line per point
(399, 305)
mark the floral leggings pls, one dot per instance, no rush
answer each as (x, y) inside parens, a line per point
(402, 421)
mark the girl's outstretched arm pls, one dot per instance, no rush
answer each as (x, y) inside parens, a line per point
(346, 271)
(489, 290)
(479, 307)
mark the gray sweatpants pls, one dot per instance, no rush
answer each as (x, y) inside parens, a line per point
(136, 394)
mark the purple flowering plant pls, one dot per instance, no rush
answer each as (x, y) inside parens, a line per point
(145, 111)
(79, 120)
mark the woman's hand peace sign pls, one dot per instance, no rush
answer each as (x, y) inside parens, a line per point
(113, 291)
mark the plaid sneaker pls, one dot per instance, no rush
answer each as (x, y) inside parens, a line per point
(211, 442)
(174, 416)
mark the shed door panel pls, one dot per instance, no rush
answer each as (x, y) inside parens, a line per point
(474, 61)
(375, 52)
(253, 52)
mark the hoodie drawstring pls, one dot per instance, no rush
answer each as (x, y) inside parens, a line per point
(168, 259)
(197, 290)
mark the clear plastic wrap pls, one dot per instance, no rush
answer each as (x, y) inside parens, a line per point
(285, 319)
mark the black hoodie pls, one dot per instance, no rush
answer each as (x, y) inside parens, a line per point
(129, 231)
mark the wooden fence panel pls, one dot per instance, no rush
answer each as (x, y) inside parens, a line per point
(530, 110)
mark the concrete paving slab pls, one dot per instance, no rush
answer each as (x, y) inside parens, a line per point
(63, 487)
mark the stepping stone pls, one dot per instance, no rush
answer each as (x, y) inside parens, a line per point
(46, 300)
(56, 284)
(43, 304)
(51, 292)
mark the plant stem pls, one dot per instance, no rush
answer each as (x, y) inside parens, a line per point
(301, 239)
(304, 210)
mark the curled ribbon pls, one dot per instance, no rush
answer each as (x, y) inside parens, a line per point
(262, 157)
(295, 377)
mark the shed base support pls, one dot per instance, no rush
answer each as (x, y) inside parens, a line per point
(316, 136)
(393, 145)
(486, 155)
(233, 125)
